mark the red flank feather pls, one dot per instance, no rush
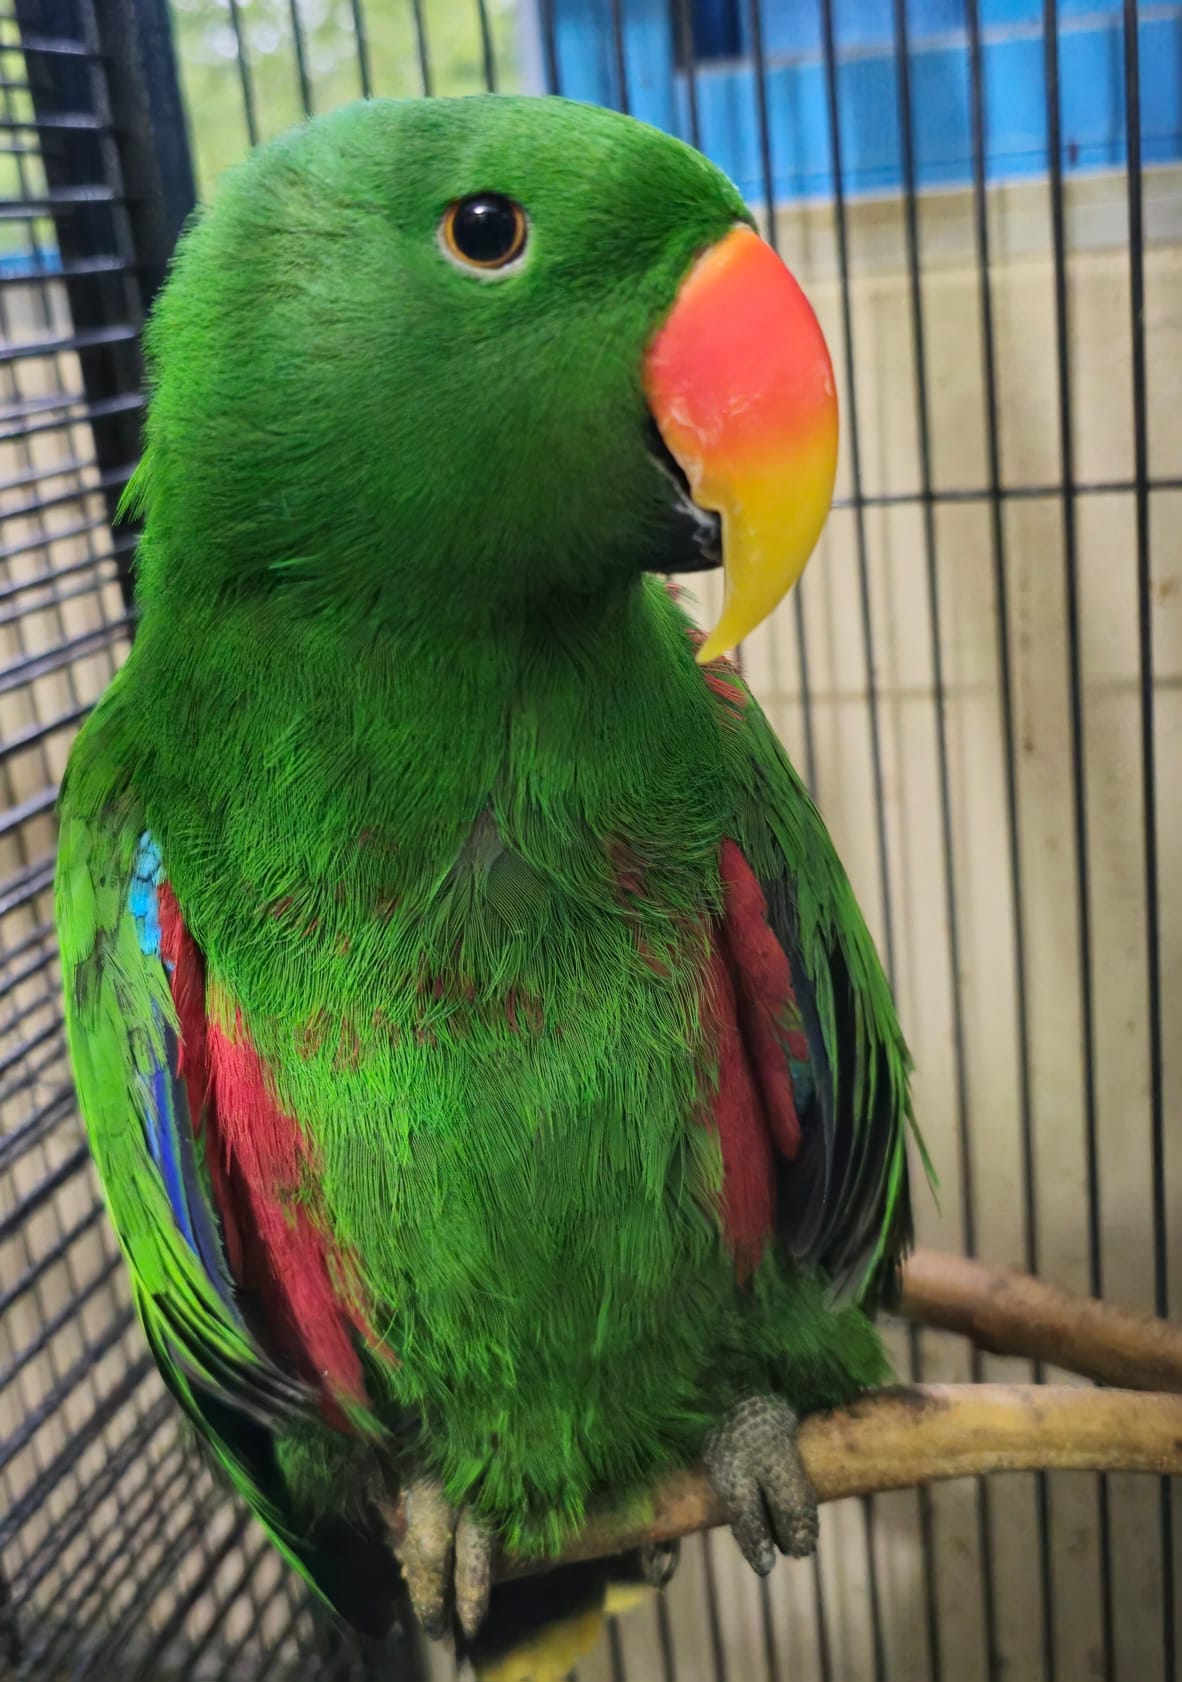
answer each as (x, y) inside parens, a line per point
(753, 1013)
(274, 1166)
(261, 1167)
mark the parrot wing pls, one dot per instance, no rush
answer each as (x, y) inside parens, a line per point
(813, 1104)
(135, 1016)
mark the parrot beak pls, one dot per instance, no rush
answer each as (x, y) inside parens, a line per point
(740, 385)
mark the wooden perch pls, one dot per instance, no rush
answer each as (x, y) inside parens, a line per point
(897, 1438)
(1010, 1313)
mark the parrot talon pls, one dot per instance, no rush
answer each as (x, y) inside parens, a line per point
(446, 1556)
(658, 1562)
(473, 1570)
(755, 1467)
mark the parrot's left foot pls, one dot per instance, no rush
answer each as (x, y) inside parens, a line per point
(658, 1562)
(755, 1466)
(446, 1554)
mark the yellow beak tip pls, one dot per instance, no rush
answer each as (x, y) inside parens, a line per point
(710, 650)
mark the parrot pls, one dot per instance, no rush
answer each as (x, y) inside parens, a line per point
(494, 1087)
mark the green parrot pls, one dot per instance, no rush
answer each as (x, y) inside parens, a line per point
(494, 1086)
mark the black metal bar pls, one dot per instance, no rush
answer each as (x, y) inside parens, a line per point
(361, 38)
(301, 57)
(23, 886)
(824, 1648)
(125, 1460)
(18, 1514)
(45, 473)
(619, 54)
(30, 208)
(615, 1651)
(767, 1621)
(37, 936)
(109, 484)
(148, 1587)
(153, 1494)
(35, 967)
(97, 337)
(19, 889)
(276, 1646)
(550, 47)
(951, 912)
(61, 1319)
(101, 264)
(710, 1582)
(65, 119)
(25, 810)
(245, 79)
(40, 665)
(665, 1637)
(122, 1461)
(130, 402)
(40, 1195)
(488, 55)
(140, 146)
(1009, 734)
(28, 941)
(49, 577)
(858, 500)
(416, 7)
(16, 616)
(1153, 980)
(20, 1139)
(687, 55)
(63, 721)
(37, 1271)
(45, 46)
(768, 183)
(176, 1620)
(27, 1045)
(44, 540)
(75, 1374)
(238, 1585)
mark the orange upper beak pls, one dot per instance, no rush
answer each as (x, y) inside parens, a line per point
(741, 387)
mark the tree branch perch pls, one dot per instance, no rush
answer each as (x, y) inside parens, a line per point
(897, 1438)
(1011, 1313)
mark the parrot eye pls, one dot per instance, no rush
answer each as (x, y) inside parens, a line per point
(484, 231)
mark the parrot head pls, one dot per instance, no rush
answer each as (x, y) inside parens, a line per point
(494, 351)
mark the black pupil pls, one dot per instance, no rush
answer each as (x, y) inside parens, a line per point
(485, 228)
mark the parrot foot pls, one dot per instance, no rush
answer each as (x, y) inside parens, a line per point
(755, 1467)
(446, 1554)
(658, 1562)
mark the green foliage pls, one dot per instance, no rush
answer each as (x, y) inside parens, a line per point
(207, 34)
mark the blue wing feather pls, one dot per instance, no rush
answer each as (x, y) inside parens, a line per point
(168, 1126)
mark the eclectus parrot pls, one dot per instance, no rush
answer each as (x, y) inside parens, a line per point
(495, 1089)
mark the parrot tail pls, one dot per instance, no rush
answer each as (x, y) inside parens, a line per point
(538, 1628)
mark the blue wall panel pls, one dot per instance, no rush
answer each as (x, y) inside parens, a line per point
(1091, 77)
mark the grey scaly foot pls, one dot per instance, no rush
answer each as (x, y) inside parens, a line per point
(446, 1558)
(755, 1466)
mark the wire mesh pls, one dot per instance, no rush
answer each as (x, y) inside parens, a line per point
(979, 678)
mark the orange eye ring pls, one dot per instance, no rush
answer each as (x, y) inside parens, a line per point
(484, 231)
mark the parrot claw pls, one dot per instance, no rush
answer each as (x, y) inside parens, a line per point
(658, 1562)
(446, 1556)
(755, 1467)
(473, 1570)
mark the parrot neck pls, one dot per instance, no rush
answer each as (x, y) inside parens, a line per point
(278, 742)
